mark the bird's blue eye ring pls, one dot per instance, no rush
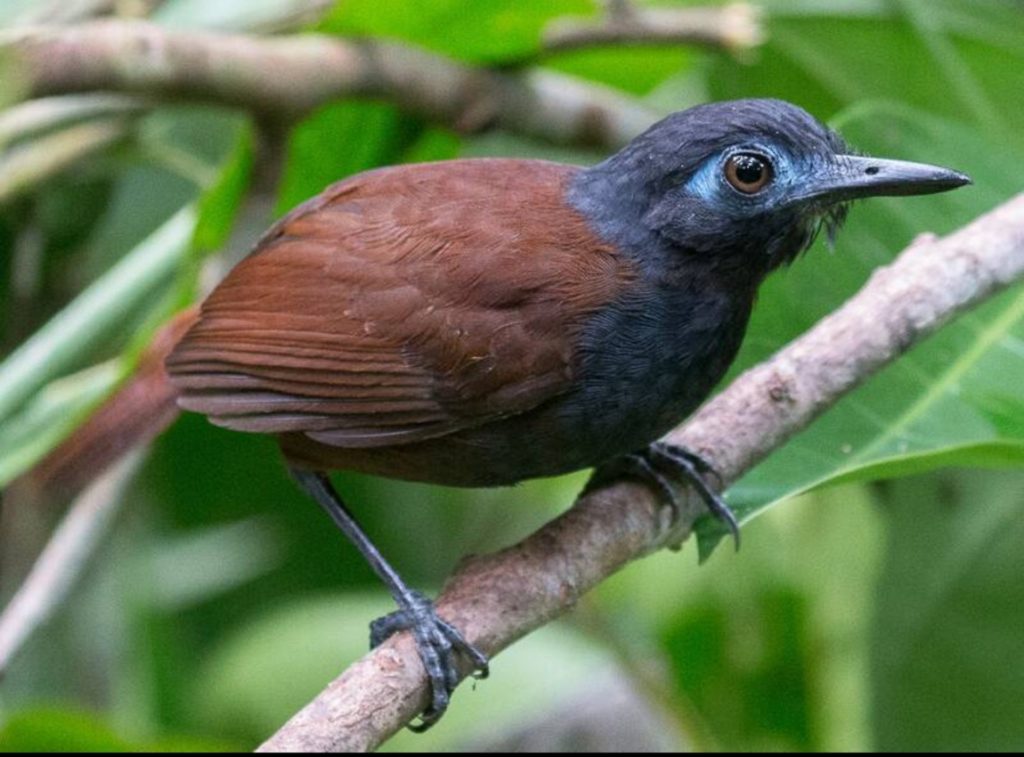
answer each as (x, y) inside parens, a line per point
(748, 172)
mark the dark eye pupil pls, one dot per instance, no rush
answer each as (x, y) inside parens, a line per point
(749, 169)
(748, 172)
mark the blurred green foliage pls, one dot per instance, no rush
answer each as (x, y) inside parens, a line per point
(858, 616)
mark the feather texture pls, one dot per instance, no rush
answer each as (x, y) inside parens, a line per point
(402, 305)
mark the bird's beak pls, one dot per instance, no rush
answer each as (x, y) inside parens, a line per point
(849, 177)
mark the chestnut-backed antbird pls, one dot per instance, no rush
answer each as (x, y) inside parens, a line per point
(480, 322)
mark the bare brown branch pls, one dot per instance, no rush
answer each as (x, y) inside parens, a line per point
(497, 599)
(735, 27)
(284, 77)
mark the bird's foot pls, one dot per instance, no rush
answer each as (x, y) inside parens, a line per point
(694, 469)
(438, 643)
(658, 464)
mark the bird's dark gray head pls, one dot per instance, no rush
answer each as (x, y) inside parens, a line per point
(745, 183)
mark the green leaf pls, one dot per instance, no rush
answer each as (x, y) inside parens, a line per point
(207, 563)
(820, 63)
(342, 139)
(766, 695)
(435, 143)
(297, 648)
(213, 150)
(932, 407)
(339, 140)
(994, 23)
(53, 413)
(221, 200)
(947, 648)
(71, 333)
(53, 730)
(37, 410)
(954, 399)
(484, 31)
(637, 70)
(767, 648)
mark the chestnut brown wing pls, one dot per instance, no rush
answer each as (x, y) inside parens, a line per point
(402, 305)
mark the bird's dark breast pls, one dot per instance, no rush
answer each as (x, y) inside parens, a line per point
(648, 362)
(644, 364)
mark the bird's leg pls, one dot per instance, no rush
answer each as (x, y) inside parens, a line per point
(635, 465)
(436, 640)
(657, 463)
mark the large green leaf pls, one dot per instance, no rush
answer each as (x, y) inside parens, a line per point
(52, 729)
(39, 405)
(946, 64)
(486, 31)
(53, 413)
(36, 406)
(946, 403)
(219, 205)
(509, 32)
(955, 399)
(948, 652)
(71, 333)
(339, 140)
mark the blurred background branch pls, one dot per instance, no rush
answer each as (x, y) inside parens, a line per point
(283, 79)
(735, 27)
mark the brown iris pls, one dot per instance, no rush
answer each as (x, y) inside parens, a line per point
(748, 172)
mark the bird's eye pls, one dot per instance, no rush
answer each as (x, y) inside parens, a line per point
(748, 172)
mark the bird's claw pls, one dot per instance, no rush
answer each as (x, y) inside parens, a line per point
(657, 462)
(438, 642)
(694, 468)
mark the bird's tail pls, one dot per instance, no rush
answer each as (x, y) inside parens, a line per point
(141, 408)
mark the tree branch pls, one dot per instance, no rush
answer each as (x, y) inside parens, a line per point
(285, 77)
(734, 27)
(496, 599)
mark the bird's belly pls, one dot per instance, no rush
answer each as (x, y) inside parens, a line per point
(623, 402)
(565, 435)
(500, 453)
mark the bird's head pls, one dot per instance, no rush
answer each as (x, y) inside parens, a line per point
(751, 182)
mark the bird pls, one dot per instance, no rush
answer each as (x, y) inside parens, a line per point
(479, 322)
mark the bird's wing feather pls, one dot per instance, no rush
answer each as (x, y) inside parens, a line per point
(401, 305)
